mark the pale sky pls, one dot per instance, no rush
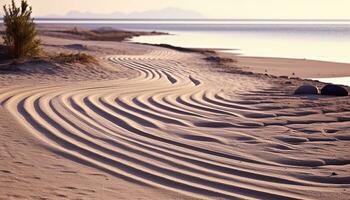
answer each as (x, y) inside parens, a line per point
(261, 9)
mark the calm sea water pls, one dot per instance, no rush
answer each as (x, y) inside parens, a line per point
(326, 40)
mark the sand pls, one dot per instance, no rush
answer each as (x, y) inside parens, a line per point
(156, 123)
(301, 68)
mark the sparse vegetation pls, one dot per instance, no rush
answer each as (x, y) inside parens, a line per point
(74, 58)
(20, 34)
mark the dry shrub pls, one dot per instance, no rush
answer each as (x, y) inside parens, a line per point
(74, 58)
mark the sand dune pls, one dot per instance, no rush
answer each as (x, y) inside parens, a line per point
(190, 130)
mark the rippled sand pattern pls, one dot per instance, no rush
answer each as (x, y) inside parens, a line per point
(170, 129)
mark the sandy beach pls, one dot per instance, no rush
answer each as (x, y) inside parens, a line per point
(301, 68)
(149, 122)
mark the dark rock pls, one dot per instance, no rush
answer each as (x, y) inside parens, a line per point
(307, 89)
(334, 174)
(334, 90)
(288, 82)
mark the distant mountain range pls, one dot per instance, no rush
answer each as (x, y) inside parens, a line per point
(166, 13)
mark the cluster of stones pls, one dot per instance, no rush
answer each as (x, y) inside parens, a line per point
(330, 90)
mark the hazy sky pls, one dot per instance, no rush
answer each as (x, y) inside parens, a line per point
(330, 9)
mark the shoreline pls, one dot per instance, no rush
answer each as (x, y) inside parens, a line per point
(302, 68)
(258, 65)
(275, 66)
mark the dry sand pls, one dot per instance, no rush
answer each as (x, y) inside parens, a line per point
(155, 123)
(301, 68)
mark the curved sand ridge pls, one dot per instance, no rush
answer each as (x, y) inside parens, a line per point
(168, 128)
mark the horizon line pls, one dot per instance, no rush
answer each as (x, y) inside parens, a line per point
(184, 19)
